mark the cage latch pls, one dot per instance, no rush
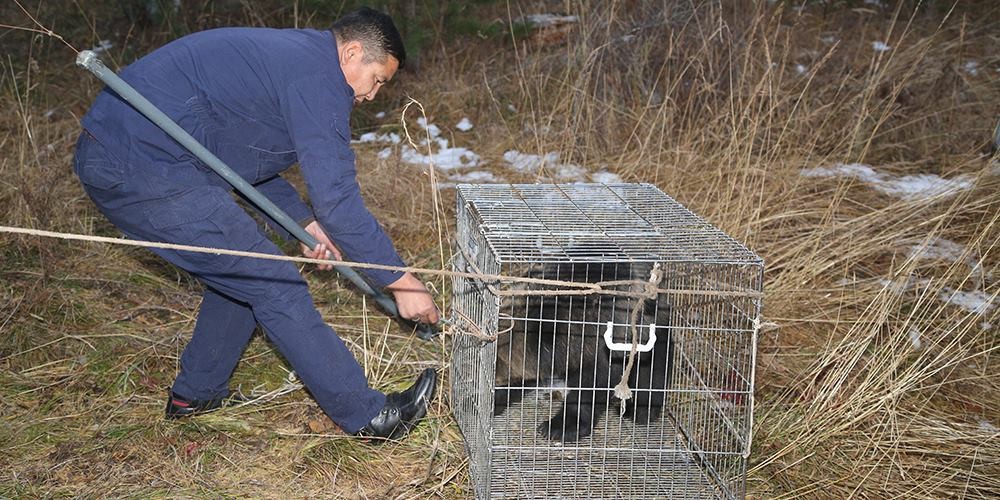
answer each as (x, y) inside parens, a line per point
(627, 346)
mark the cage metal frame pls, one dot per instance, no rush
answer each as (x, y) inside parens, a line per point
(699, 447)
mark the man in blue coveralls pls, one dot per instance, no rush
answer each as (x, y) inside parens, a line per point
(260, 99)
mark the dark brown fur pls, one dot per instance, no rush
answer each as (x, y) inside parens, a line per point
(563, 341)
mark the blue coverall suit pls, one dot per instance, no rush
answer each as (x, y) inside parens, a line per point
(260, 99)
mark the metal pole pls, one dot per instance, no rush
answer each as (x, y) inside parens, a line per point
(89, 60)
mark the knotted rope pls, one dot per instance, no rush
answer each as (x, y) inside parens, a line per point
(649, 292)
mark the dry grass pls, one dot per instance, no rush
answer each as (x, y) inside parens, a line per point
(704, 101)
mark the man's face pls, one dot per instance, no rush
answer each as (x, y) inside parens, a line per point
(365, 78)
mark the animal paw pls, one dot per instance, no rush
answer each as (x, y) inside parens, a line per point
(567, 427)
(644, 414)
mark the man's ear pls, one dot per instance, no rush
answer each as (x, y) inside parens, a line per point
(352, 51)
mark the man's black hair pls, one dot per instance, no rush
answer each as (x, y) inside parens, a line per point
(375, 31)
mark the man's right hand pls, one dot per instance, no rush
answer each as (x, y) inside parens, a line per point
(325, 249)
(413, 300)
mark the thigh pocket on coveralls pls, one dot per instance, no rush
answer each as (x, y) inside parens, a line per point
(179, 216)
(209, 217)
(93, 166)
(203, 216)
(100, 173)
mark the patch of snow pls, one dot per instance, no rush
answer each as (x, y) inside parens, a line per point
(800, 69)
(546, 20)
(976, 268)
(511, 108)
(444, 159)
(900, 285)
(985, 325)
(938, 248)
(942, 249)
(971, 67)
(605, 177)
(478, 176)
(915, 339)
(102, 46)
(441, 142)
(391, 138)
(829, 39)
(524, 162)
(977, 301)
(987, 426)
(875, 3)
(385, 153)
(857, 170)
(570, 172)
(530, 163)
(907, 187)
(465, 125)
(380, 115)
(880, 47)
(915, 187)
(431, 129)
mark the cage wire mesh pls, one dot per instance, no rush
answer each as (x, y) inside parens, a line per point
(532, 379)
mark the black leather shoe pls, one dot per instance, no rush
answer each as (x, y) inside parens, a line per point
(178, 407)
(403, 410)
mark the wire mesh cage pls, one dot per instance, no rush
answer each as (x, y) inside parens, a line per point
(534, 372)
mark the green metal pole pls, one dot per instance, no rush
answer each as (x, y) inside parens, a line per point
(89, 60)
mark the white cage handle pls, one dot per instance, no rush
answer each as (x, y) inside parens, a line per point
(627, 346)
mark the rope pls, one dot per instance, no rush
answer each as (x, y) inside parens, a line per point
(757, 324)
(473, 329)
(622, 390)
(569, 287)
(286, 258)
